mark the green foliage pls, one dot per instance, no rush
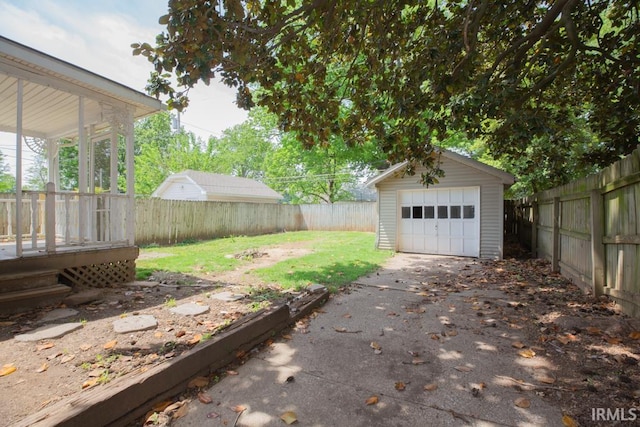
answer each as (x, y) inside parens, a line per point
(7, 181)
(405, 74)
(161, 152)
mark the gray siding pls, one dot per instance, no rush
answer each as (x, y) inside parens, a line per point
(456, 175)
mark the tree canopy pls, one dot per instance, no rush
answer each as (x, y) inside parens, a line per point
(405, 73)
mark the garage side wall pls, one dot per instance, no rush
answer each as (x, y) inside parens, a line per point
(456, 175)
(183, 189)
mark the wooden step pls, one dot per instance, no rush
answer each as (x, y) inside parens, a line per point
(27, 280)
(25, 299)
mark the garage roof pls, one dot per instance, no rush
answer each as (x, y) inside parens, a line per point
(50, 93)
(504, 177)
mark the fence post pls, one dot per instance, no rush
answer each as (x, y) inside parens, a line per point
(597, 245)
(50, 218)
(555, 251)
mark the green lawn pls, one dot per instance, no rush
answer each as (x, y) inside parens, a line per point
(336, 258)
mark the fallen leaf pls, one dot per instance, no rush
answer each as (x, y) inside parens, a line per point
(635, 335)
(462, 368)
(614, 340)
(452, 333)
(546, 379)
(372, 400)
(347, 316)
(517, 344)
(68, 358)
(289, 417)
(44, 346)
(213, 415)
(180, 334)
(181, 412)
(567, 421)
(374, 345)
(340, 329)
(527, 353)
(592, 330)
(174, 406)
(238, 408)
(42, 368)
(54, 355)
(110, 344)
(195, 340)
(89, 383)
(85, 347)
(161, 406)
(522, 402)
(400, 386)
(9, 323)
(232, 372)
(431, 387)
(417, 361)
(7, 369)
(198, 382)
(204, 398)
(435, 337)
(286, 337)
(158, 334)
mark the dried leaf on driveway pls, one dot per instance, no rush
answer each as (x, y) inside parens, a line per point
(205, 398)
(7, 369)
(527, 353)
(67, 358)
(372, 400)
(238, 408)
(400, 386)
(181, 412)
(517, 344)
(374, 345)
(289, 417)
(522, 402)
(198, 382)
(635, 335)
(462, 368)
(431, 387)
(567, 421)
(42, 368)
(195, 340)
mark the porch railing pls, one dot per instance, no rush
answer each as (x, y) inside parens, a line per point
(56, 220)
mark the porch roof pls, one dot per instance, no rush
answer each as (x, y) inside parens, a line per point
(50, 94)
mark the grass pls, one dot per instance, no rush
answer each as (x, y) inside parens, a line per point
(336, 258)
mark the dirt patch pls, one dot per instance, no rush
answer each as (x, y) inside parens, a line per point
(95, 355)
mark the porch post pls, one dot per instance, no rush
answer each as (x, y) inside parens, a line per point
(131, 202)
(19, 168)
(82, 172)
(115, 213)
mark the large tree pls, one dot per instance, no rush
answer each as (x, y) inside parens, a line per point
(405, 73)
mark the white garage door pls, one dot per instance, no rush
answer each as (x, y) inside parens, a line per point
(442, 221)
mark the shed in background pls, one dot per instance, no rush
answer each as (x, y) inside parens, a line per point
(461, 215)
(195, 185)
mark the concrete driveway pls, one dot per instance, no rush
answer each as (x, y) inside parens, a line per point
(411, 345)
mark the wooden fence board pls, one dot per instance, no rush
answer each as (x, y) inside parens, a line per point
(599, 231)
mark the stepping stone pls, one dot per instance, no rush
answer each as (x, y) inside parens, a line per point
(227, 296)
(190, 309)
(48, 332)
(59, 313)
(142, 322)
(83, 297)
(316, 288)
(142, 284)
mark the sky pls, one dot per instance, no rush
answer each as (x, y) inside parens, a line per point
(97, 36)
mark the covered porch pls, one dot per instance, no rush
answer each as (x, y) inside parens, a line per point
(79, 228)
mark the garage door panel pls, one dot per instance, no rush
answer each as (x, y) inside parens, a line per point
(440, 221)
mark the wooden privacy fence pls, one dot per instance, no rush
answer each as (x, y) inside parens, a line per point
(590, 231)
(171, 221)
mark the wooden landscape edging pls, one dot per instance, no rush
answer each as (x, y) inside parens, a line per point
(121, 402)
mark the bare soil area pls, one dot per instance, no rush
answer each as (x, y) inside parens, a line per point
(595, 349)
(50, 370)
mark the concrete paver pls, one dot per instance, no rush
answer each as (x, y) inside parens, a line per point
(48, 332)
(190, 309)
(423, 336)
(142, 322)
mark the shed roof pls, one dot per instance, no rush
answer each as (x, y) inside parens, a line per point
(50, 93)
(504, 177)
(214, 184)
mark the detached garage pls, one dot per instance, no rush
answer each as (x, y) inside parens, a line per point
(461, 215)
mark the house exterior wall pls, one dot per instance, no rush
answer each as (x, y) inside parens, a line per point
(183, 189)
(456, 175)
